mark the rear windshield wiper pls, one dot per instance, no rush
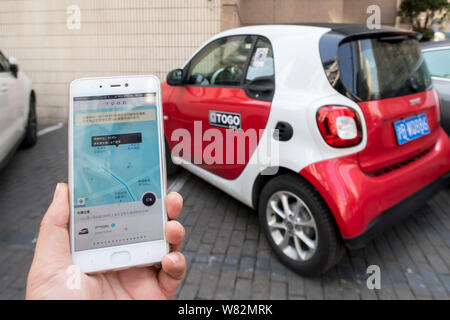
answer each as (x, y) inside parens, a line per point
(409, 78)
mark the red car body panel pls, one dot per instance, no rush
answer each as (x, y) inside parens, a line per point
(382, 150)
(355, 198)
(183, 105)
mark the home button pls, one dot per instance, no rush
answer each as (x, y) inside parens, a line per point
(120, 258)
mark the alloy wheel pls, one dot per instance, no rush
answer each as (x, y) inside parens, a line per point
(292, 225)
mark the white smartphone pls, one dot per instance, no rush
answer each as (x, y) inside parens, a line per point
(117, 175)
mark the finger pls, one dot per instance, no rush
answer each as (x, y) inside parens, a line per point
(175, 233)
(53, 240)
(58, 211)
(172, 273)
(174, 204)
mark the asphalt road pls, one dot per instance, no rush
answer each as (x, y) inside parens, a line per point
(227, 254)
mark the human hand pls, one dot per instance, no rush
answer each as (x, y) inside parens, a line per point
(48, 276)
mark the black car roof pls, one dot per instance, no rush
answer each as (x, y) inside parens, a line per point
(350, 29)
(433, 45)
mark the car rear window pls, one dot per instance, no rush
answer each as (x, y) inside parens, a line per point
(381, 68)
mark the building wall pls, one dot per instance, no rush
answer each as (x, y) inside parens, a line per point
(290, 11)
(116, 37)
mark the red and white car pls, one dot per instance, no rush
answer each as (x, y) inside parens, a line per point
(359, 141)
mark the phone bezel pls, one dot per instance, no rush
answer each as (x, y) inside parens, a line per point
(143, 253)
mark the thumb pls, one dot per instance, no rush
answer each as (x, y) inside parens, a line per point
(53, 243)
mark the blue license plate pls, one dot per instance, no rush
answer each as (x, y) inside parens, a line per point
(411, 128)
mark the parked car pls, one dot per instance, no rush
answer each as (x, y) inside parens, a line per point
(360, 144)
(17, 109)
(437, 58)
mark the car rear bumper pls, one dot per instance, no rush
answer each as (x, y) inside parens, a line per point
(398, 212)
(365, 205)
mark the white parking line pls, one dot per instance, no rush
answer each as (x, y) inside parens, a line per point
(50, 129)
(179, 182)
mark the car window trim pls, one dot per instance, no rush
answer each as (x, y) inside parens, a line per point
(241, 85)
(253, 52)
(249, 58)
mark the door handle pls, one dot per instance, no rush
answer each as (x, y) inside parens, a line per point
(261, 88)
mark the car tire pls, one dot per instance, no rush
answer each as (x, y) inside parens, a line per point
(309, 216)
(171, 167)
(30, 137)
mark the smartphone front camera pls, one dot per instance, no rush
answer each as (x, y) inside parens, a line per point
(126, 84)
(101, 86)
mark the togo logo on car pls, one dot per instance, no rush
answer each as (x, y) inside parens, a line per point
(225, 119)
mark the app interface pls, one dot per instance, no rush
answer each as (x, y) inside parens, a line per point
(116, 171)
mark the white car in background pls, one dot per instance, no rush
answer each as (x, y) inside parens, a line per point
(437, 57)
(17, 109)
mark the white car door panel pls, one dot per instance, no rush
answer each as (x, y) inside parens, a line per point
(11, 108)
(6, 115)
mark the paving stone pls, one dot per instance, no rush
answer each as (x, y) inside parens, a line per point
(278, 290)
(188, 292)
(437, 263)
(403, 291)
(220, 245)
(296, 298)
(278, 270)
(261, 287)
(263, 260)
(233, 255)
(208, 285)
(242, 290)
(417, 285)
(227, 279)
(237, 238)
(386, 293)
(350, 293)
(366, 293)
(313, 289)
(246, 267)
(252, 231)
(224, 293)
(210, 236)
(296, 284)
(194, 275)
(249, 248)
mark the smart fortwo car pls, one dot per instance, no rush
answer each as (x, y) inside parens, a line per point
(358, 136)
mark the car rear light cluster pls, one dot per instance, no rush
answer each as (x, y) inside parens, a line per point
(339, 126)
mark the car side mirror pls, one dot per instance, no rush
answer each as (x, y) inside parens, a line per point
(13, 66)
(175, 77)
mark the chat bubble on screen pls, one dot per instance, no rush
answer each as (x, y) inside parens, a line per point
(116, 139)
(86, 119)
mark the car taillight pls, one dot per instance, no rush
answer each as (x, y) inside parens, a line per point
(339, 126)
(437, 98)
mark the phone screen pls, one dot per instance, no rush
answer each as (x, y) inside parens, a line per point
(117, 180)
